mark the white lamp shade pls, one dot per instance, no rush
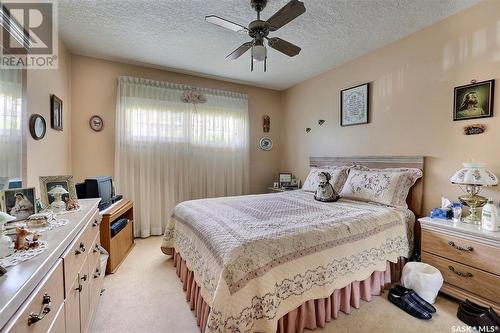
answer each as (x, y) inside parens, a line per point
(4, 217)
(259, 52)
(474, 174)
(58, 190)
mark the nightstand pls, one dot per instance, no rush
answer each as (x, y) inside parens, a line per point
(467, 257)
(279, 189)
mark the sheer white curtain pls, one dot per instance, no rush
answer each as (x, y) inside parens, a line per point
(168, 151)
(10, 123)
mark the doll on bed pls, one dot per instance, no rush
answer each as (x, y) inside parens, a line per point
(325, 191)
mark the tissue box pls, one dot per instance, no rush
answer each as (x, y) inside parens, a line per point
(441, 213)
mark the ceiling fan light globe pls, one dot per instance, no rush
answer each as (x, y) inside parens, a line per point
(259, 52)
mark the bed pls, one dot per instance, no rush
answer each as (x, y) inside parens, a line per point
(283, 261)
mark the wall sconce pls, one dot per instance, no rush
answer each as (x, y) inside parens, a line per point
(321, 122)
(308, 129)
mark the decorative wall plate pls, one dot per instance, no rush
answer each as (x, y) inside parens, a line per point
(38, 127)
(96, 123)
(266, 143)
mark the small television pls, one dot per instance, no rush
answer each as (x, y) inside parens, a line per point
(98, 187)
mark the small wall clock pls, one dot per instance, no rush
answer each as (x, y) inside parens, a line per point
(38, 127)
(266, 143)
(96, 123)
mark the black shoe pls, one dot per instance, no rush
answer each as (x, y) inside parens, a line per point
(478, 319)
(408, 304)
(422, 302)
(493, 315)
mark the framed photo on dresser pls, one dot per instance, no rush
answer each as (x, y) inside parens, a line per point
(18, 202)
(47, 183)
(354, 105)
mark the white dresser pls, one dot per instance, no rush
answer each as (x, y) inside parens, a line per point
(58, 290)
(468, 258)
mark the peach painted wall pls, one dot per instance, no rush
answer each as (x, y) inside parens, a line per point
(52, 154)
(94, 84)
(412, 83)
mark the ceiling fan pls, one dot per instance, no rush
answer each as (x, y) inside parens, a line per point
(259, 31)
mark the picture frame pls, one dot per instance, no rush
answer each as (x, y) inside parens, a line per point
(285, 179)
(354, 105)
(18, 202)
(56, 113)
(37, 126)
(49, 182)
(474, 100)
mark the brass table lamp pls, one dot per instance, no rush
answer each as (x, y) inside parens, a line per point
(471, 179)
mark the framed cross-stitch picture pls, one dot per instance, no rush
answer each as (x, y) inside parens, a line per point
(354, 106)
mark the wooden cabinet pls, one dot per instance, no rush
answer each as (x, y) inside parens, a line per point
(66, 298)
(467, 257)
(122, 243)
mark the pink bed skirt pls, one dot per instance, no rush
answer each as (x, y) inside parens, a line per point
(311, 314)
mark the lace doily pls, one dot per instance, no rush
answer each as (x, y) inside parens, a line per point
(54, 224)
(57, 223)
(20, 256)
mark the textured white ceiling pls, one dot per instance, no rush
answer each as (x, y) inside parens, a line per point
(172, 34)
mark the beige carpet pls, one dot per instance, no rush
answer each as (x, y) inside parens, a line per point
(145, 296)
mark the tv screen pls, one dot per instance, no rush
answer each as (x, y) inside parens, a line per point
(106, 189)
(99, 187)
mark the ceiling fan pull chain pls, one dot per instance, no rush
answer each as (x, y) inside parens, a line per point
(251, 63)
(265, 64)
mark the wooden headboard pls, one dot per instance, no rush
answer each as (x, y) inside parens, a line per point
(415, 197)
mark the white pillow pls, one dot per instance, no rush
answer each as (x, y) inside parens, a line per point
(386, 186)
(338, 176)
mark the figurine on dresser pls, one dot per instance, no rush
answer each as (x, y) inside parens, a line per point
(25, 239)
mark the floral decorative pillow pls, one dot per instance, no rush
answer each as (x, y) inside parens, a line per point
(386, 186)
(338, 176)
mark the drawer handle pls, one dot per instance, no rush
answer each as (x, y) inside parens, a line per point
(81, 249)
(79, 288)
(96, 248)
(462, 274)
(97, 273)
(465, 249)
(96, 223)
(84, 277)
(34, 317)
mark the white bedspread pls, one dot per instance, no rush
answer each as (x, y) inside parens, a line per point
(258, 257)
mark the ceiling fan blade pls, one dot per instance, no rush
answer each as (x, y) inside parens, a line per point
(239, 51)
(283, 46)
(286, 14)
(221, 22)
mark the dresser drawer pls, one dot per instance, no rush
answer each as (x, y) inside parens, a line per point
(94, 254)
(95, 223)
(76, 253)
(59, 324)
(50, 289)
(468, 252)
(96, 276)
(465, 277)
